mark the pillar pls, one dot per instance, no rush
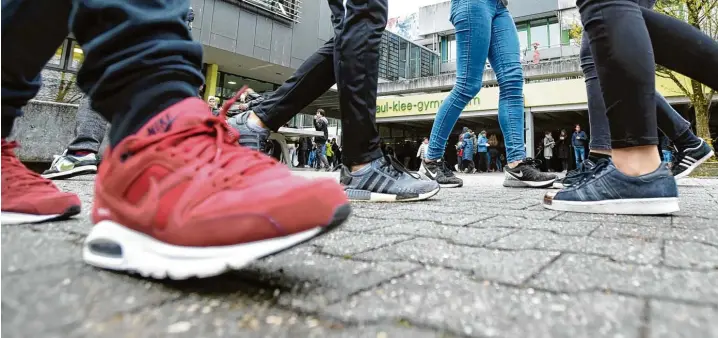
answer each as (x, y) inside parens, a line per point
(529, 132)
(211, 78)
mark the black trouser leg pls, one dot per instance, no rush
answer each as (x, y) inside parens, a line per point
(356, 61)
(621, 48)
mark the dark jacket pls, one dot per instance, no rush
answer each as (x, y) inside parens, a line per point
(563, 147)
(579, 142)
(321, 124)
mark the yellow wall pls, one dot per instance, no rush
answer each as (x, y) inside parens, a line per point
(211, 80)
(565, 92)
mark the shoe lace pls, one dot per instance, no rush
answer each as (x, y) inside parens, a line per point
(587, 173)
(15, 174)
(395, 168)
(532, 162)
(445, 169)
(210, 146)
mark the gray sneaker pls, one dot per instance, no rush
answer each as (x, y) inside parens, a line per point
(66, 166)
(386, 180)
(249, 137)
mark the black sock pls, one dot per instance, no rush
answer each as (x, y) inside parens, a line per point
(594, 157)
(687, 140)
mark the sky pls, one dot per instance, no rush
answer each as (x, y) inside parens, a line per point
(405, 7)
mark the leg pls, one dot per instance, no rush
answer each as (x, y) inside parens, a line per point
(82, 154)
(472, 20)
(356, 59)
(504, 55)
(598, 121)
(27, 46)
(153, 67)
(312, 79)
(639, 183)
(90, 130)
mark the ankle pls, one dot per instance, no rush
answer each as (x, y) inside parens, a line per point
(514, 164)
(357, 167)
(636, 161)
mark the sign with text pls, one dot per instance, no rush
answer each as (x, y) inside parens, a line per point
(423, 104)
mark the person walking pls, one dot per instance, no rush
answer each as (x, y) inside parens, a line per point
(358, 28)
(468, 153)
(634, 181)
(494, 153)
(485, 29)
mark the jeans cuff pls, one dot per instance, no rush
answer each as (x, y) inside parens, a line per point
(599, 146)
(265, 118)
(634, 142)
(361, 158)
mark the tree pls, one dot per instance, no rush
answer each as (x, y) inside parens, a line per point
(702, 14)
(67, 86)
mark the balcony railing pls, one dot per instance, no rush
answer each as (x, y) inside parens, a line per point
(283, 10)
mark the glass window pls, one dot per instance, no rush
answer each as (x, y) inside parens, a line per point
(403, 50)
(77, 56)
(539, 33)
(59, 56)
(452, 48)
(523, 36)
(554, 34)
(229, 84)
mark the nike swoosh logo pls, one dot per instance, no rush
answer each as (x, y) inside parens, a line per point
(143, 213)
(430, 174)
(519, 175)
(66, 166)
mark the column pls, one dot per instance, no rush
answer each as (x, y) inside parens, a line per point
(211, 80)
(529, 132)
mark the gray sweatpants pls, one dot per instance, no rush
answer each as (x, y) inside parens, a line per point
(90, 129)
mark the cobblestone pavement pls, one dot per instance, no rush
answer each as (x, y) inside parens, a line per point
(481, 261)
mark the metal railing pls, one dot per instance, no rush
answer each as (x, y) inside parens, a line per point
(288, 10)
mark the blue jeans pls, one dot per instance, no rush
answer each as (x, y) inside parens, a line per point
(139, 56)
(580, 154)
(667, 156)
(484, 28)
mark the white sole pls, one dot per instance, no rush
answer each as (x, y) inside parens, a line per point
(639, 206)
(513, 183)
(151, 258)
(557, 185)
(695, 165)
(84, 170)
(384, 198)
(452, 185)
(8, 218)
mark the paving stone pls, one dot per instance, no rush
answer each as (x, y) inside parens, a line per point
(602, 219)
(613, 230)
(691, 255)
(349, 243)
(620, 249)
(563, 228)
(308, 280)
(572, 273)
(56, 298)
(451, 300)
(420, 215)
(505, 266)
(26, 250)
(675, 320)
(359, 224)
(457, 235)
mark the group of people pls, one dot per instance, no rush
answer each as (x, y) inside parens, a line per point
(478, 153)
(560, 147)
(180, 194)
(306, 154)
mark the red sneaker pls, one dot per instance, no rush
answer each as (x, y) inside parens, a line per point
(29, 198)
(181, 199)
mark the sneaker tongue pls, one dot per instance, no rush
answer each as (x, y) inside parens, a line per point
(182, 115)
(589, 164)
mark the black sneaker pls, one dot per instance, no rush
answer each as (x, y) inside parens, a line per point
(689, 159)
(386, 180)
(248, 137)
(605, 190)
(527, 174)
(440, 172)
(574, 176)
(67, 165)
